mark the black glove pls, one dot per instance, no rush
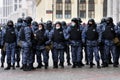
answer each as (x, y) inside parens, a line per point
(100, 44)
(1, 46)
(83, 44)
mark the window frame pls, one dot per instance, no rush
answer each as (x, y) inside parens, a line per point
(68, 9)
(82, 8)
(59, 9)
(91, 9)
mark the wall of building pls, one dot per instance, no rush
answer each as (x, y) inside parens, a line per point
(40, 11)
(14, 9)
(45, 5)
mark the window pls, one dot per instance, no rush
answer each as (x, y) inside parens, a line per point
(20, 6)
(91, 9)
(59, 9)
(82, 8)
(15, 1)
(20, 0)
(105, 8)
(15, 7)
(67, 8)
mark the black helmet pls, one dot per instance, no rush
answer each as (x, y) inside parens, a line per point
(10, 23)
(79, 20)
(103, 20)
(58, 23)
(91, 20)
(34, 23)
(49, 22)
(110, 19)
(75, 20)
(28, 19)
(63, 23)
(20, 20)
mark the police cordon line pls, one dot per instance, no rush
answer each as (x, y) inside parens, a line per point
(27, 38)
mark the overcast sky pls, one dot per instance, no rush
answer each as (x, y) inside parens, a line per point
(1, 3)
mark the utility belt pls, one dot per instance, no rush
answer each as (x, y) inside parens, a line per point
(75, 43)
(109, 42)
(58, 45)
(42, 47)
(92, 43)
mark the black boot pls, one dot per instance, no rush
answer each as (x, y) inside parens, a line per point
(115, 65)
(68, 63)
(24, 67)
(55, 65)
(18, 65)
(32, 67)
(39, 66)
(2, 65)
(98, 65)
(105, 64)
(29, 68)
(91, 65)
(13, 67)
(46, 65)
(62, 64)
(79, 64)
(8, 66)
(74, 65)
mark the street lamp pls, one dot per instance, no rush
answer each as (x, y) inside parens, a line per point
(77, 8)
(52, 10)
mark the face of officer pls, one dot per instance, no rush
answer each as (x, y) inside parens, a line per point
(10, 24)
(57, 26)
(73, 23)
(108, 22)
(90, 23)
(40, 27)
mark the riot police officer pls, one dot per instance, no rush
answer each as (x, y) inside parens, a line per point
(92, 36)
(58, 37)
(1, 47)
(67, 49)
(83, 46)
(49, 46)
(108, 34)
(74, 32)
(10, 39)
(26, 37)
(118, 45)
(18, 26)
(101, 45)
(41, 38)
(34, 27)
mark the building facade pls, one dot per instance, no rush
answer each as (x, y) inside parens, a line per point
(1, 13)
(65, 10)
(114, 10)
(27, 8)
(14, 9)
(9, 6)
